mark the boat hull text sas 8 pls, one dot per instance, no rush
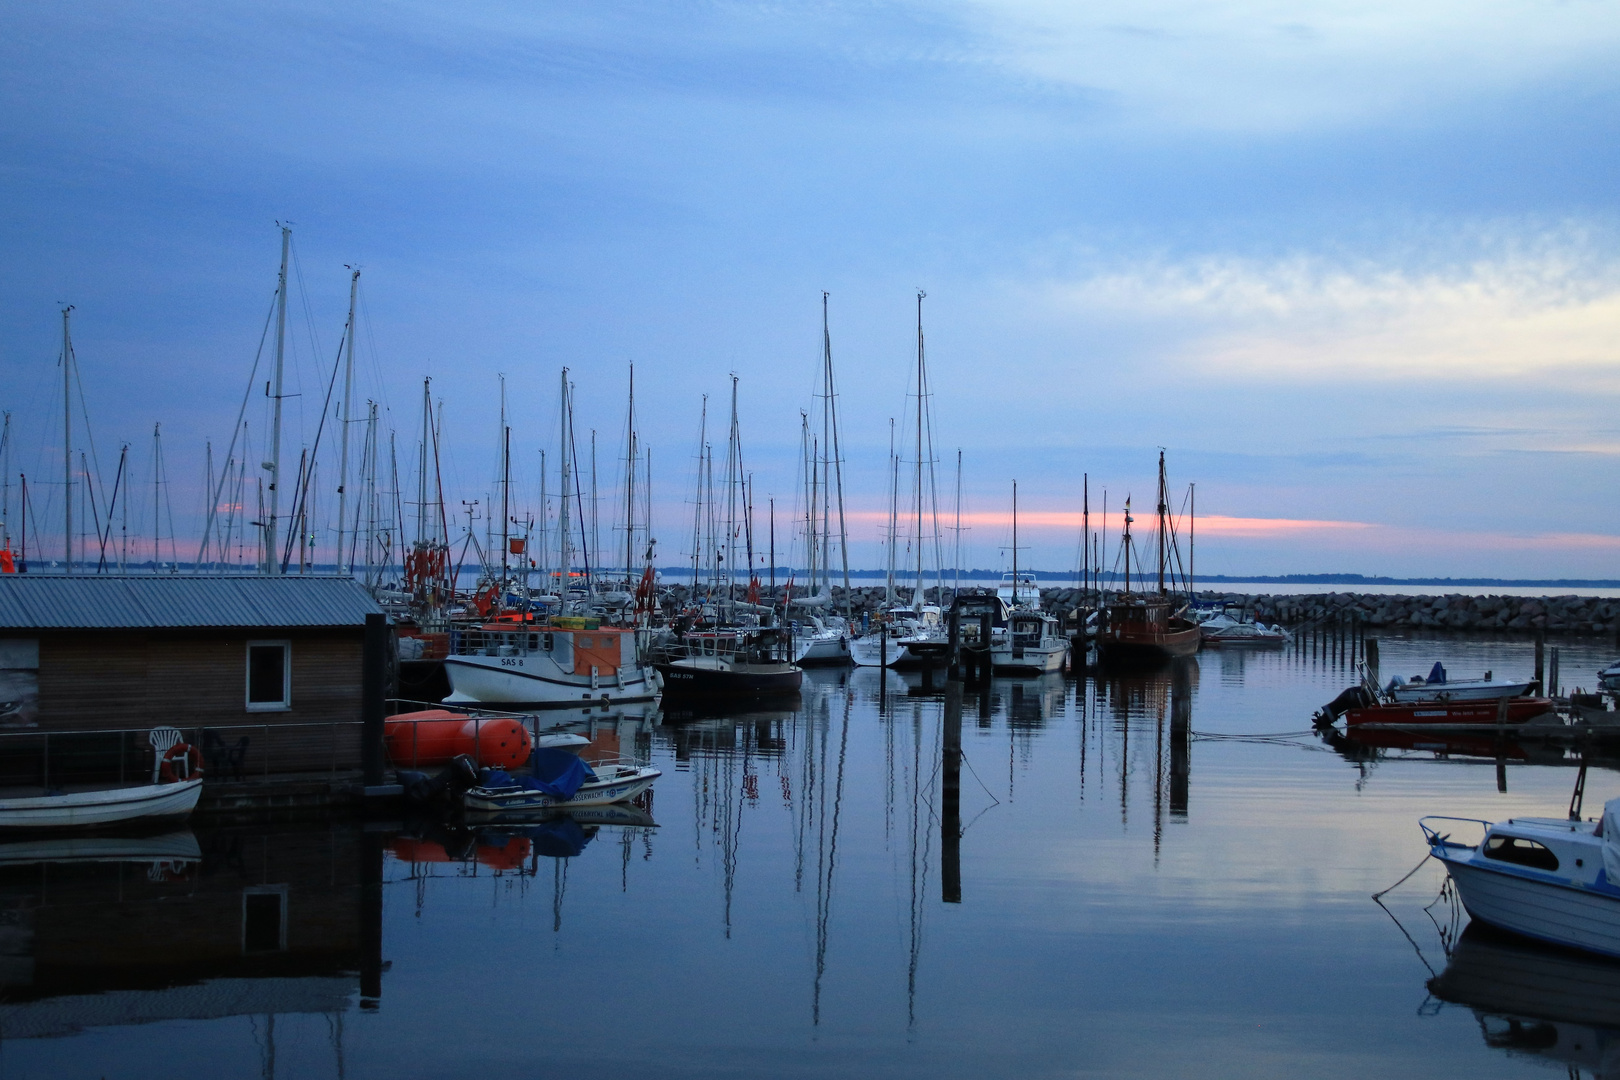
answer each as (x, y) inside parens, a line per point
(557, 663)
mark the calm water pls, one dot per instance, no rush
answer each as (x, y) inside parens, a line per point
(1115, 907)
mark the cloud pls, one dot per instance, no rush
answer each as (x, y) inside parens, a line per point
(1258, 67)
(1312, 318)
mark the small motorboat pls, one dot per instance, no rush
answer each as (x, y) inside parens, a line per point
(1368, 706)
(1225, 628)
(1437, 687)
(557, 780)
(106, 806)
(1609, 678)
(1543, 878)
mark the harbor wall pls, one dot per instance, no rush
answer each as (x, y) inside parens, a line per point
(1552, 614)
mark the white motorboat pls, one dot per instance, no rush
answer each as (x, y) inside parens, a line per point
(916, 636)
(106, 806)
(1439, 688)
(1032, 643)
(1019, 590)
(562, 662)
(1226, 629)
(557, 780)
(1609, 678)
(1544, 878)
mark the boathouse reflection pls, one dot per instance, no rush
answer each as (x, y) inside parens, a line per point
(220, 922)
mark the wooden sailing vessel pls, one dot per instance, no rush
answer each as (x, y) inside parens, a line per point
(1148, 627)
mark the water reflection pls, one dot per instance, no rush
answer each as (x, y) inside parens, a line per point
(926, 878)
(1558, 1007)
(116, 931)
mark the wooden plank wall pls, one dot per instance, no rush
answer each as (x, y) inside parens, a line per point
(104, 682)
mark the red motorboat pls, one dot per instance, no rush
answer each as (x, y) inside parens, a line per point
(1362, 707)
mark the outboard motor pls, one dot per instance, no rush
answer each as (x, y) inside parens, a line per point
(1356, 697)
(455, 778)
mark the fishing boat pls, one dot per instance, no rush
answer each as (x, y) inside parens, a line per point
(1543, 878)
(563, 661)
(1438, 688)
(737, 662)
(1149, 627)
(554, 780)
(105, 806)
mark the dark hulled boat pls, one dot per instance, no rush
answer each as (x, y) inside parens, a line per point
(1144, 629)
(743, 662)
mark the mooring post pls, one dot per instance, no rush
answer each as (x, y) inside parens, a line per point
(371, 918)
(1369, 649)
(1552, 673)
(374, 671)
(986, 667)
(950, 822)
(1541, 642)
(1180, 737)
(954, 672)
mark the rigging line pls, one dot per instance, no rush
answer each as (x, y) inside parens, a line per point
(1415, 947)
(304, 480)
(1404, 878)
(213, 503)
(89, 433)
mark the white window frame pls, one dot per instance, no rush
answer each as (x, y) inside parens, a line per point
(285, 704)
(281, 931)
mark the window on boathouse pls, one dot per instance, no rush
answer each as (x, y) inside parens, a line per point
(269, 676)
(1520, 852)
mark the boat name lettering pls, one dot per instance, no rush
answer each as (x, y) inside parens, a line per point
(507, 661)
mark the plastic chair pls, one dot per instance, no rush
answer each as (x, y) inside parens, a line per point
(162, 740)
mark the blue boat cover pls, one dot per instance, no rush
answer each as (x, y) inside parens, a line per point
(556, 773)
(1437, 674)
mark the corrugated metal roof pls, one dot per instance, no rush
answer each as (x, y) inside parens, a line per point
(110, 602)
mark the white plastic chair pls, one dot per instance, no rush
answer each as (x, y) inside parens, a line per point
(162, 740)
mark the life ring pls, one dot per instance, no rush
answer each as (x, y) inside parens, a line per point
(180, 752)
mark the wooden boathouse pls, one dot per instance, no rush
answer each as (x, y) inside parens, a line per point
(267, 675)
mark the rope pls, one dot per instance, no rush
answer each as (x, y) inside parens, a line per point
(1401, 882)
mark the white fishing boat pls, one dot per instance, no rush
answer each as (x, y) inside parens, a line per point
(1437, 687)
(105, 806)
(1545, 878)
(1019, 590)
(563, 662)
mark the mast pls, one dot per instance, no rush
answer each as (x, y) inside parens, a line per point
(917, 599)
(506, 493)
(1192, 523)
(67, 441)
(565, 555)
(596, 534)
(271, 534)
(1085, 532)
(830, 425)
(1163, 528)
(343, 451)
(5, 485)
(956, 557)
(632, 452)
(697, 510)
(894, 509)
(1127, 542)
(1015, 544)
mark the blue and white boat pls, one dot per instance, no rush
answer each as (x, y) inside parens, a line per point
(557, 780)
(1552, 879)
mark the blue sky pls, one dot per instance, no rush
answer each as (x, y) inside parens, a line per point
(1352, 265)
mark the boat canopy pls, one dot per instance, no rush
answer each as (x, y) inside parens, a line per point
(556, 773)
(1609, 830)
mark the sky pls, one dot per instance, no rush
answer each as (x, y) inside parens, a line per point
(1351, 266)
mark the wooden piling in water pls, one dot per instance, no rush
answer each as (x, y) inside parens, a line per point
(950, 822)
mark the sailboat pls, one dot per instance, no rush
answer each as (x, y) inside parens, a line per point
(736, 651)
(1148, 627)
(914, 635)
(820, 636)
(543, 658)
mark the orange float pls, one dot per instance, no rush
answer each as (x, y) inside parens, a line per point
(434, 736)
